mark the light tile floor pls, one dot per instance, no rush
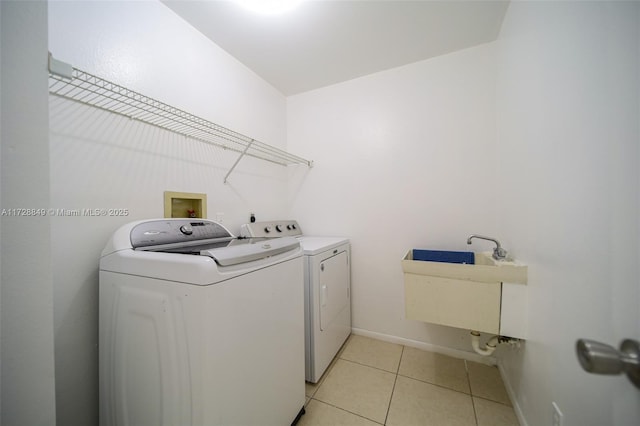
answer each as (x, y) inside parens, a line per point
(372, 382)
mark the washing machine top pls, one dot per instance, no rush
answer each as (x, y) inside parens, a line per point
(204, 237)
(196, 251)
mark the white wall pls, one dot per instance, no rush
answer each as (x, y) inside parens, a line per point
(552, 171)
(404, 159)
(27, 342)
(532, 139)
(568, 156)
(99, 160)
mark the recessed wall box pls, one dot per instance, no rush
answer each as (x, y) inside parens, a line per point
(185, 204)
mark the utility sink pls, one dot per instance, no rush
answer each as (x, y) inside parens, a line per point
(484, 268)
(442, 287)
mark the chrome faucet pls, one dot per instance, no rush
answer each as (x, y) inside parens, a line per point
(498, 253)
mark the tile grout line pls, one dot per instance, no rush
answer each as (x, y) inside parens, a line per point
(367, 365)
(473, 404)
(347, 411)
(326, 374)
(439, 386)
(485, 398)
(395, 380)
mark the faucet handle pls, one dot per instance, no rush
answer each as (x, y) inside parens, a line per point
(499, 253)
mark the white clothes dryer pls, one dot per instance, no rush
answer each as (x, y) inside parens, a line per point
(327, 291)
(197, 327)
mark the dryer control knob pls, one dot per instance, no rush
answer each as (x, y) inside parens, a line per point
(279, 228)
(267, 229)
(186, 229)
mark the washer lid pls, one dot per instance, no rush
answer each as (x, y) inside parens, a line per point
(249, 250)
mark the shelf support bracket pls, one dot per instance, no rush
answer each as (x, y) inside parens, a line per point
(59, 68)
(238, 160)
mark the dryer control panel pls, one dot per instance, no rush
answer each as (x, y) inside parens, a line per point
(279, 228)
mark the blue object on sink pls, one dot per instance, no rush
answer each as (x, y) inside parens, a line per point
(444, 256)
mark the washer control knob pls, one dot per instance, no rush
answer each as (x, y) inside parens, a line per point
(186, 229)
(267, 229)
(291, 226)
(279, 228)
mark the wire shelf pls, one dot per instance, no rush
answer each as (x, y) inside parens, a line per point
(76, 85)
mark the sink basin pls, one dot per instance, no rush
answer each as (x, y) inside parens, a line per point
(484, 268)
(465, 257)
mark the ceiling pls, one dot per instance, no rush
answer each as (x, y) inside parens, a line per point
(323, 42)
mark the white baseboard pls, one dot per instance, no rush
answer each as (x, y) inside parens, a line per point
(456, 353)
(512, 396)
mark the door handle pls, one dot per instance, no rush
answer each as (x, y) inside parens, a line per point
(600, 358)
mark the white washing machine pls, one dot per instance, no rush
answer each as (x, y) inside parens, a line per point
(198, 327)
(327, 291)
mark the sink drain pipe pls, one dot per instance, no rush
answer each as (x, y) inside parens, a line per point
(488, 348)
